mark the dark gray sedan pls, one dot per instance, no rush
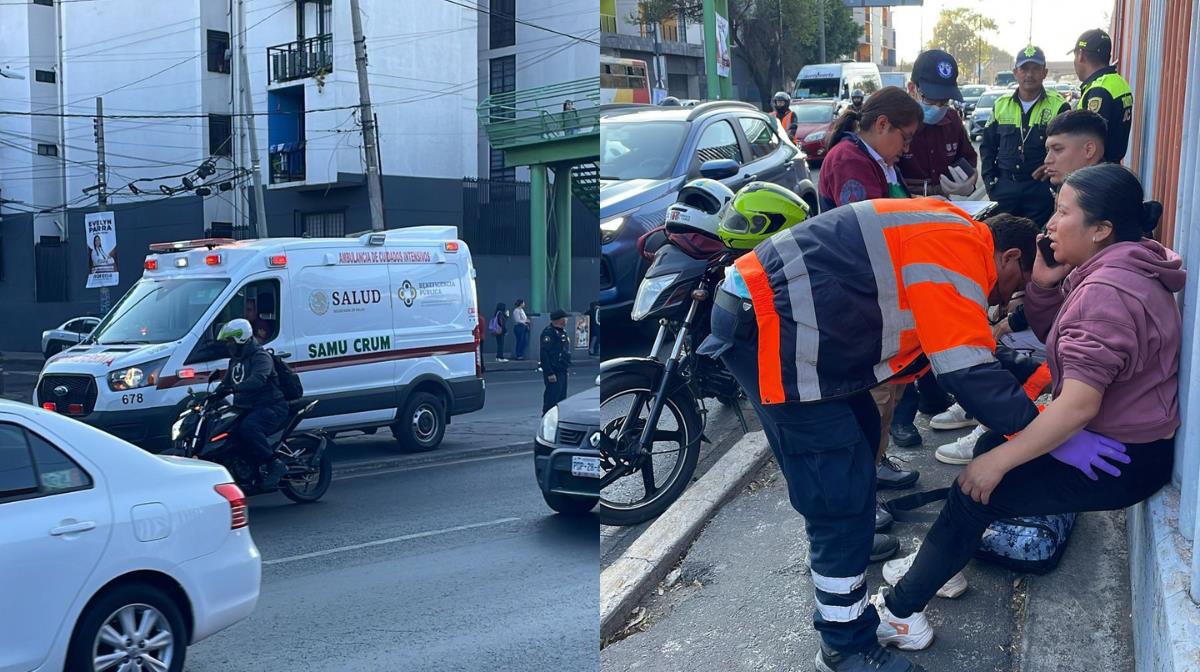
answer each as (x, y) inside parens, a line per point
(566, 453)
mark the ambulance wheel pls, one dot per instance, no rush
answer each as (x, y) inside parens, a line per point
(422, 423)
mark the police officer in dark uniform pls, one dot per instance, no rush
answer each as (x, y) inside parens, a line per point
(1014, 141)
(556, 359)
(1103, 91)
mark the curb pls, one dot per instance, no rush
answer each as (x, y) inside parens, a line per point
(433, 457)
(649, 558)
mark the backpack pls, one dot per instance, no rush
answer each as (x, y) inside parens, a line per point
(1032, 544)
(289, 381)
(494, 326)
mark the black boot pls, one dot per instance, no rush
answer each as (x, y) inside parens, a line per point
(877, 659)
(883, 547)
(889, 475)
(274, 470)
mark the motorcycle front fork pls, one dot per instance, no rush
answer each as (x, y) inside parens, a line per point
(659, 400)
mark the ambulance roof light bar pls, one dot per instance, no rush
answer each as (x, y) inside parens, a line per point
(184, 245)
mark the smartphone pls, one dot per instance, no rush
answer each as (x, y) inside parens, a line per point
(1047, 252)
(965, 166)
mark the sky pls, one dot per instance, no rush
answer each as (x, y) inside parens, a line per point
(1055, 24)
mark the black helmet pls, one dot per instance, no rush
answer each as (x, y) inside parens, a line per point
(858, 93)
(781, 95)
(670, 101)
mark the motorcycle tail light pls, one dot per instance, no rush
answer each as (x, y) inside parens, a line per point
(239, 514)
(218, 437)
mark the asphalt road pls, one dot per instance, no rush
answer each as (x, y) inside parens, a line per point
(452, 567)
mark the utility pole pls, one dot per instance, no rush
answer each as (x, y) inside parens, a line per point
(821, 30)
(370, 139)
(260, 209)
(102, 185)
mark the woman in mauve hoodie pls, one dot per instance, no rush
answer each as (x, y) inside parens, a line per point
(1113, 335)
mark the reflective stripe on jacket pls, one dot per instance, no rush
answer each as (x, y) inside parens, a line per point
(870, 292)
(1108, 94)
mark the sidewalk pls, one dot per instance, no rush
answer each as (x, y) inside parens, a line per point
(530, 363)
(743, 599)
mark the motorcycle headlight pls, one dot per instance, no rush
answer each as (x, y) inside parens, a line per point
(609, 229)
(648, 293)
(815, 136)
(549, 430)
(133, 377)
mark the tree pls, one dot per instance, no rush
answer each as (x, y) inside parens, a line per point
(961, 32)
(775, 38)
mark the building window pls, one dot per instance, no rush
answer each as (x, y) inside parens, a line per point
(502, 24)
(323, 224)
(496, 169)
(47, 150)
(46, 76)
(220, 135)
(218, 51)
(48, 3)
(502, 75)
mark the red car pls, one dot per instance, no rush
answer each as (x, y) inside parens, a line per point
(813, 119)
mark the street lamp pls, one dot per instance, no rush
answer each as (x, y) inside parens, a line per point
(10, 74)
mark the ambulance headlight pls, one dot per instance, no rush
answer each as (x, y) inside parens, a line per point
(549, 431)
(133, 377)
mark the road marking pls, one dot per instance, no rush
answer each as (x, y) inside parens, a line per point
(393, 540)
(416, 467)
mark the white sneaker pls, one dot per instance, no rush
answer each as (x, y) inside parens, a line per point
(961, 451)
(894, 570)
(907, 634)
(952, 418)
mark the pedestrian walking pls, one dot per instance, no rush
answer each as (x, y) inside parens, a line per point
(864, 147)
(874, 293)
(1014, 141)
(498, 327)
(1104, 91)
(594, 326)
(520, 329)
(556, 359)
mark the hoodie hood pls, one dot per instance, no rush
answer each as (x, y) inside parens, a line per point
(1145, 258)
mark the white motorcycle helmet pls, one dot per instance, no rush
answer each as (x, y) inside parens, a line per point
(699, 207)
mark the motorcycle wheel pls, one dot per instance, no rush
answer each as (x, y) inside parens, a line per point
(303, 492)
(680, 411)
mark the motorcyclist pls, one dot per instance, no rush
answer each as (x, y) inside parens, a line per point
(781, 109)
(856, 100)
(252, 380)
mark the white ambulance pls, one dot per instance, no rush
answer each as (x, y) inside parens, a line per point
(382, 328)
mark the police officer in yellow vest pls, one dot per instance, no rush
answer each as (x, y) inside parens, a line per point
(1014, 141)
(1104, 91)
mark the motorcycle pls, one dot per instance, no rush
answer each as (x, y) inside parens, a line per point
(652, 409)
(204, 430)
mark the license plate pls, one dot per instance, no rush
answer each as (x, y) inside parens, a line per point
(586, 467)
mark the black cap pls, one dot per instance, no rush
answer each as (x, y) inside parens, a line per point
(1096, 41)
(936, 75)
(558, 314)
(1030, 54)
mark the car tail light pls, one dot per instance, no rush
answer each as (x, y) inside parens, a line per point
(452, 246)
(75, 409)
(239, 515)
(50, 406)
(151, 264)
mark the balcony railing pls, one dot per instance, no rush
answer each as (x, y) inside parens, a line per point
(309, 57)
(532, 116)
(287, 162)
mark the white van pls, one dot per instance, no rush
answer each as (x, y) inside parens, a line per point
(383, 329)
(836, 81)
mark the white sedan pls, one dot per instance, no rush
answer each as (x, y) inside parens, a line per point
(113, 559)
(67, 334)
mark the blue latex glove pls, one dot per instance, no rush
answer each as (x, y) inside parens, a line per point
(1086, 450)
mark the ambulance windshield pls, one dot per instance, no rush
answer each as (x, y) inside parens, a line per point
(158, 311)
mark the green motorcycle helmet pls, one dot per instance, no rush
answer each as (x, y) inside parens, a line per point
(759, 211)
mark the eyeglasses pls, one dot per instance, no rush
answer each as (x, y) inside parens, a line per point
(935, 103)
(908, 137)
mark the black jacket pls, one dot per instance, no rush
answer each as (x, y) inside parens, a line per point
(252, 378)
(556, 351)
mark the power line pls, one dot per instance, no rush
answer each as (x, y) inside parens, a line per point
(501, 15)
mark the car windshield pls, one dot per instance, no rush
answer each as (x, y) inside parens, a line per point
(813, 114)
(973, 91)
(640, 150)
(987, 100)
(158, 311)
(818, 88)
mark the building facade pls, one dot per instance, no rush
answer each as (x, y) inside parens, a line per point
(673, 48)
(877, 44)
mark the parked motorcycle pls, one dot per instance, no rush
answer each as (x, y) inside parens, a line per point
(204, 431)
(653, 408)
